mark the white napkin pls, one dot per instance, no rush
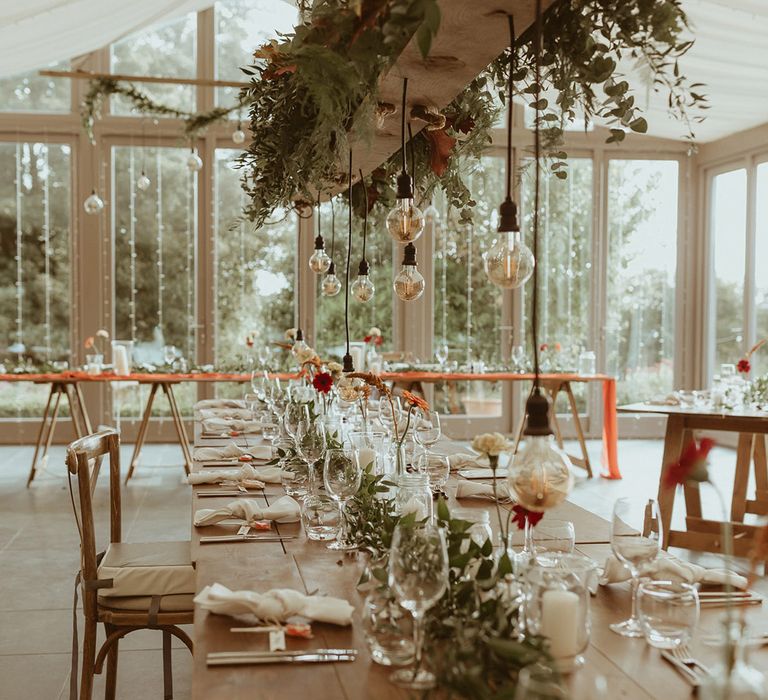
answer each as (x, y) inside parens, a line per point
(226, 413)
(219, 403)
(224, 425)
(471, 460)
(247, 475)
(669, 568)
(231, 451)
(283, 510)
(475, 489)
(277, 604)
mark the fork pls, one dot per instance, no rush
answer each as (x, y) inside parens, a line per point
(683, 654)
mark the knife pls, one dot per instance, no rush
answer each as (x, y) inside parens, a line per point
(211, 539)
(224, 492)
(293, 652)
(303, 659)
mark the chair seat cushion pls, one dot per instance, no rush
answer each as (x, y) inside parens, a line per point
(147, 569)
(168, 603)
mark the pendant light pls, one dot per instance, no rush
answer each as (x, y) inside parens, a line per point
(194, 161)
(143, 181)
(405, 222)
(319, 262)
(238, 135)
(93, 204)
(409, 283)
(331, 285)
(509, 262)
(540, 474)
(362, 288)
(349, 365)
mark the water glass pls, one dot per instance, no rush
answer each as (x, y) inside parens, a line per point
(636, 536)
(294, 413)
(552, 538)
(321, 517)
(341, 476)
(270, 426)
(295, 477)
(252, 403)
(426, 428)
(437, 468)
(669, 612)
(388, 628)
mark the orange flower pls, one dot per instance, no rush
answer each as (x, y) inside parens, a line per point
(415, 401)
(89, 342)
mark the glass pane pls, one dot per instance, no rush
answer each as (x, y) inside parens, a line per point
(254, 270)
(166, 50)
(642, 262)
(760, 358)
(329, 311)
(30, 92)
(35, 264)
(241, 27)
(155, 232)
(729, 240)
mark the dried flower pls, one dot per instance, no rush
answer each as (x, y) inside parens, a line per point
(335, 368)
(415, 401)
(373, 380)
(523, 514)
(491, 444)
(89, 342)
(323, 382)
(290, 334)
(743, 366)
(692, 465)
(304, 355)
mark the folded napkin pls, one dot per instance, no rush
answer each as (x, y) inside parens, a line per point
(277, 604)
(231, 451)
(471, 460)
(247, 475)
(669, 568)
(226, 413)
(219, 403)
(283, 510)
(224, 425)
(474, 489)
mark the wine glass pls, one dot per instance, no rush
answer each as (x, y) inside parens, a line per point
(635, 547)
(426, 428)
(387, 416)
(310, 444)
(441, 354)
(341, 476)
(418, 576)
(257, 383)
(263, 354)
(169, 354)
(294, 413)
(252, 403)
(518, 358)
(270, 426)
(437, 468)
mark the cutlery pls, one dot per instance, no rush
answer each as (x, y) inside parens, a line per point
(294, 652)
(303, 659)
(725, 601)
(688, 673)
(223, 492)
(210, 539)
(683, 655)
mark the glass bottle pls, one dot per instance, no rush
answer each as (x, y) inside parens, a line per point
(414, 495)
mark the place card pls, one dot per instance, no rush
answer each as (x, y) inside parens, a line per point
(277, 640)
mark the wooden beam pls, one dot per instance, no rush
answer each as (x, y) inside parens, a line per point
(88, 75)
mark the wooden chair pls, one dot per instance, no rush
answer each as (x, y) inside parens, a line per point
(127, 587)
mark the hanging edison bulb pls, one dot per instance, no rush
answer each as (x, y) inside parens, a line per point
(409, 283)
(319, 262)
(405, 221)
(331, 285)
(93, 204)
(431, 215)
(143, 182)
(238, 135)
(194, 161)
(362, 288)
(509, 262)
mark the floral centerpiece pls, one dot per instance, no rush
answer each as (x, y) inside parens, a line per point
(95, 346)
(374, 337)
(744, 366)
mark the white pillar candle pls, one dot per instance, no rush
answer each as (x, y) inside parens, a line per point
(367, 456)
(357, 358)
(560, 621)
(120, 360)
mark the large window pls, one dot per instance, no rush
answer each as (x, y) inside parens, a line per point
(35, 205)
(729, 239)
(760, 359)
(31, 92)
(642, 264)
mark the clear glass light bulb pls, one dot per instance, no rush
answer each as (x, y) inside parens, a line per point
(93, 204)
(509, 263)
(363, 289)
(194, 162)
(331, 285)
(405, 222)
(238, 136)
(540, 474)
(143, 182)
(319, 262)
(409, 284)
(431, 215)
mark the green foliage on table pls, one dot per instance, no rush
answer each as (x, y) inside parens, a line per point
(757, 393)
(473, 640)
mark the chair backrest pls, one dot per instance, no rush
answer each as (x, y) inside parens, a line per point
(83, 459)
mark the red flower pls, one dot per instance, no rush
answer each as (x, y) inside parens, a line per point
(440, 148)
(323, 382)
(692, 465)
(378, 340)
(744, 367)
(465, 125)
(523, 514)
(415, 401)
(249, 341)
(543, 347)
(367, 338)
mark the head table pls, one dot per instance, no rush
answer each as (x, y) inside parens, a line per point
(67, 385)
(631, 668)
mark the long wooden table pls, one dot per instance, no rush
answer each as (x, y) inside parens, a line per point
(631, 668)
(701, 533)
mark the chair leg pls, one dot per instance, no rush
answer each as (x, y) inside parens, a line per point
(111, 685)
(167, 667)
(89, 659)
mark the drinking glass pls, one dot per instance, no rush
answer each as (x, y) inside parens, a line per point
(341, 476)
(169, 354)
(258, 384)
(263, 354)
(437, 468)
(320, 516)
(293, 415)
(369, 445)
(636, 536)
(441, 354)
(426, 428)
(386, 416)
(552, 538)
(310, 444)
(669, 612)
(538, 682)
(294, 477)
(518, 358)
(270, 426)
(418, 576)
(252, 403)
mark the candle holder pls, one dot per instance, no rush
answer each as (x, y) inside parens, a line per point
(558, 607)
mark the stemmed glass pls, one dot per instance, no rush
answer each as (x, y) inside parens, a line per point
(341, 476)
(426, 429)
(441, 355)
(437, 468)
(259, 384)
(310, 444)
(169, 354)
(252, 403)
(418, 576)
(387, 417)
(518, 358)
(635, 547)
(294, 413)
(263, 354)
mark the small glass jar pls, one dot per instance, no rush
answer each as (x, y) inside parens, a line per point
(321, 517)
(669, 612)
(94, 363)
(587, 363)
(414, 495)
(388, 628)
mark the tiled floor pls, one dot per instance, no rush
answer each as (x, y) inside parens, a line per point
(39, 558)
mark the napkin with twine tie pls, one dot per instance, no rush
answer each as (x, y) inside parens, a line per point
(246, 475)
(225, 425)
(283, 510)
(475, 489)
(219, 403)
(232, 451)
(276, 604)
(226, 413)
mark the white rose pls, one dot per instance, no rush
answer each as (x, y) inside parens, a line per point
(290, 334)
(492, 444)
(374, 331)
(334, 368)
(304, 355)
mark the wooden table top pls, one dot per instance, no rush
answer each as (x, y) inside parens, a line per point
(645, 407)
(631, 668)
